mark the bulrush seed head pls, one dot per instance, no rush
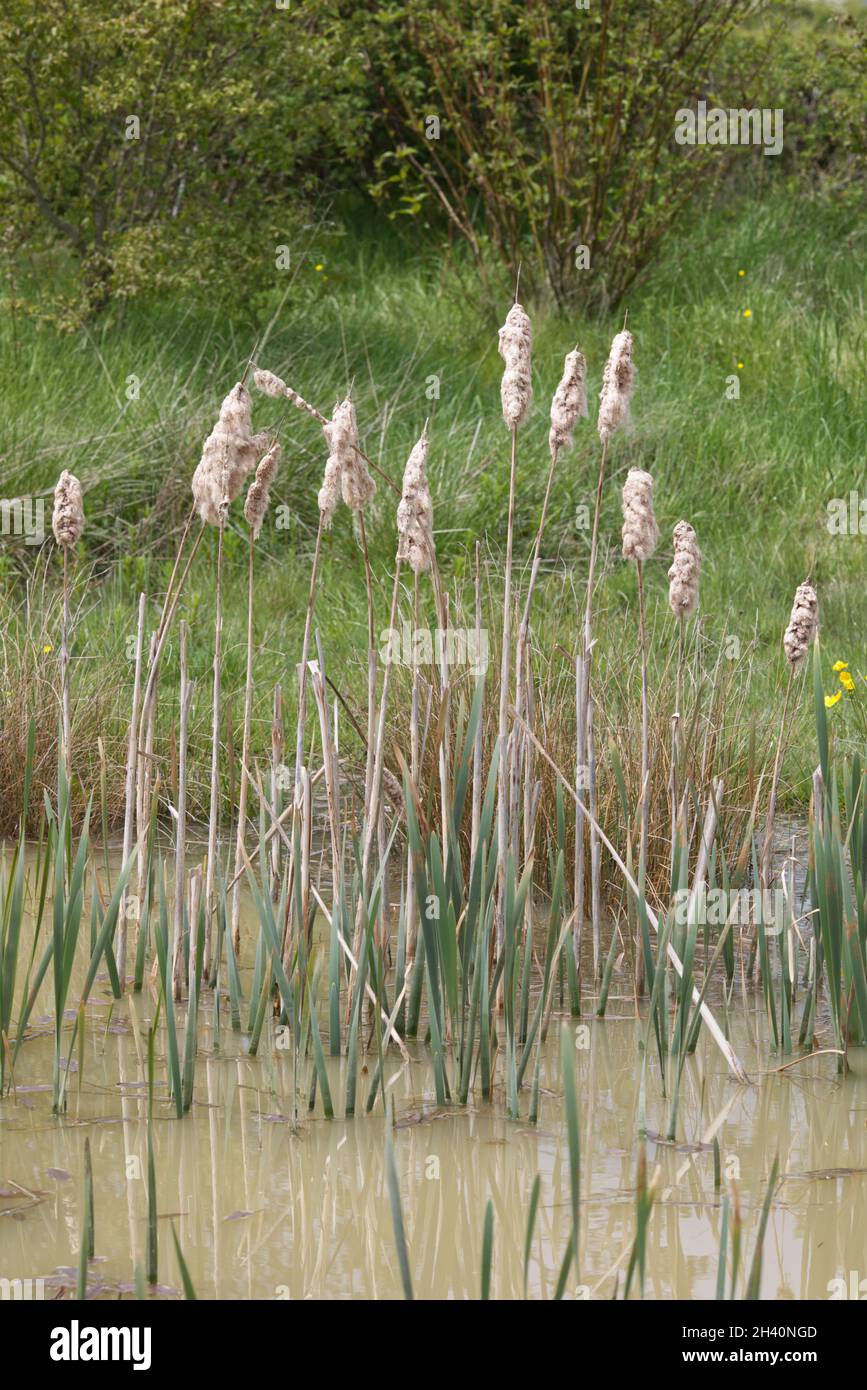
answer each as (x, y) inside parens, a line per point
(229, 454)
(640, 532)
(67, 521)
(415, 542)
(339, 431)
(618, 381)
(569, 404)
(271, 385)
(256, 504)
(356, 483)
(268, 383)
(803, 625)
(516, 389)
(684, 572)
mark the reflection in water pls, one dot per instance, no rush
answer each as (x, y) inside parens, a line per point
(269, 1206)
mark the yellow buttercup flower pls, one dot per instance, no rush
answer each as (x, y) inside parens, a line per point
(740, 366)
(840, 666)
(831, 700)
(742, 273)
(748, 313)
(47, 648)
(846, 681)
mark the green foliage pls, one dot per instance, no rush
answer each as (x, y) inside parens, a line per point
(170, 145)
(537, 130)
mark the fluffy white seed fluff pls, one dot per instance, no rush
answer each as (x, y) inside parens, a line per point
(684, 572)
(640, 532)
(271, 385)
(516, 389)
(618, 381)
(67, 520)
(802, 625)
(356, 483)
(230, 452)
(569, 404)
(258, 495)
(415, 542)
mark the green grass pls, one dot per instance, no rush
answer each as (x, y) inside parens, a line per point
(753, 475)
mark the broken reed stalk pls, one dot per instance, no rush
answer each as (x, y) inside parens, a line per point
(716, 1032)
(129, 788)
(186, 696)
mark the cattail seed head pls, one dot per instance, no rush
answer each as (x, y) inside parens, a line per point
(272, 385)
(570, 402)
(258, 495)
(67, 520)
(415, 542)
(684, 572)
(803, 625)
(230, 452)
(516, 389)
(268, 383)
(356, 483)
(618, 381)
(640, 532)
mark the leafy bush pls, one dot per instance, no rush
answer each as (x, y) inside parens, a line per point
(171, 143)
(536, 130)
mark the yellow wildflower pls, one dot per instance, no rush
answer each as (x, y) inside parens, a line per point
(831, 700)
(846, 681)
(840, 666)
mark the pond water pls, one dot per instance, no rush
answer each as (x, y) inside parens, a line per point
(269, 1201)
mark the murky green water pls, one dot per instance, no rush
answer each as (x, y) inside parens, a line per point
(269, 1201)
